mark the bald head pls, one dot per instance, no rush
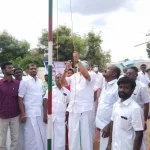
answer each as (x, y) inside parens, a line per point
(112, 72)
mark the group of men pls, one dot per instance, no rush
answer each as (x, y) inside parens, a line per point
(22, 109)
(116, 105)
(121, 114)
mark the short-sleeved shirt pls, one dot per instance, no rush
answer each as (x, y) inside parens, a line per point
(144, 78)
(60, 100)
(141, 94)
(109, 96)
(127, 118)
(9, 107)
(82, 93)
(32, 92)
(99, 81)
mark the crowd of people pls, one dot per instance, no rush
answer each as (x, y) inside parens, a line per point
(85, 103)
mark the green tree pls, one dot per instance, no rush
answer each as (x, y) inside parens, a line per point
(11, 48)
(22, 63)
(89, 46)
(148, 49)
(65, 43)
(36, 52)
(43, 43)
(43, 40)
(16, 62)
(94, 53)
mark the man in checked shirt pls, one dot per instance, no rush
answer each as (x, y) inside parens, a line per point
(9, 109)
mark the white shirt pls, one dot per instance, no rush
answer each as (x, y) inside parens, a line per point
(127, 118)
(144, 78)
(82, 93)
(60, 99)
(31, 91)
(121, 76)
(99, 81)
(141, 94)
(107, 99)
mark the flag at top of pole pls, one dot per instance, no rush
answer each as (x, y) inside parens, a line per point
(50, 52)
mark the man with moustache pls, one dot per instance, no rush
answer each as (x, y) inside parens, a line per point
(18, 74)
(127, 119)
(109, 96)
(124, 72)
(141, 96)
(60, 100)
(81, 106)
(31, 107)
(99, 80)
(143, 75)
(9, 108)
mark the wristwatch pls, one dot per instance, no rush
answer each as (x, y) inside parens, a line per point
(78, 61)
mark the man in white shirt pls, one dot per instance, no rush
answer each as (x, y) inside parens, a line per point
(143, 75)
(97, 91)
(80, 107)
(99, 80)
(31, 108)
(109, 96)
(141, 96)
(124, 72)
(60, 100)
(127, 119)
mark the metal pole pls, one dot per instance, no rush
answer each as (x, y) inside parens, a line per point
(142, 44)
(50, 52)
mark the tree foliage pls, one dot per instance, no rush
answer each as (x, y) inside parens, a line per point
(11, 48)
(94, 53)
(89, 46)
(148, 49)
(65, 41)
(43, 40)
(17, 51)
(22, 63)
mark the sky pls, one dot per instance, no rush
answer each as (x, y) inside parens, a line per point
(121, 23)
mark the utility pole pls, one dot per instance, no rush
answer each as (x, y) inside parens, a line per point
(50, 52)
(148, 34)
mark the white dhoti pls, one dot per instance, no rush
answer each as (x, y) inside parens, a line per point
(21, 137)
(58, 134)
(35, 134)
(81, 131)
(103, 142)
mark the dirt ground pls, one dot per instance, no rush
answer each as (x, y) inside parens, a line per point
(148, 135)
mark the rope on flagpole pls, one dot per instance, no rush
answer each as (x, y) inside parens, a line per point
(57, 32)
(72, 25)
(74, 48)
